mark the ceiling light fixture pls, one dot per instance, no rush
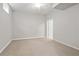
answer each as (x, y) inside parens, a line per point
(38, 5)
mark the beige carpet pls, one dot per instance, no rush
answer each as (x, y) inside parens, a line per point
(38, 47)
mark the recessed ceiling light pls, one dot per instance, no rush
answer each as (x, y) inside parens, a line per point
(38, 5)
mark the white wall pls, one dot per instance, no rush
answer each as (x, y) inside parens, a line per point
(5, 27)
(66, 26)
(28, 25)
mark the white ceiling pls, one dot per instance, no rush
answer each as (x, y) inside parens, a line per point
(64, 6)
(29, 7)
(43, 10)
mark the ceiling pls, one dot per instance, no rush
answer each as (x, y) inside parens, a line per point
(29, 8)
(43, 10)
(64, 6)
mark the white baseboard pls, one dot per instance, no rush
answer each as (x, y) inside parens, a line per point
(35, 38)
(27, 38)
(5, 46)
(17, 39)
(67, 44)
(50, 38)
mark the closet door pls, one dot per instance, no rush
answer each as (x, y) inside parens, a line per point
(50, 29)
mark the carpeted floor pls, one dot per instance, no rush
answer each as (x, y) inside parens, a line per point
(38, 47)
